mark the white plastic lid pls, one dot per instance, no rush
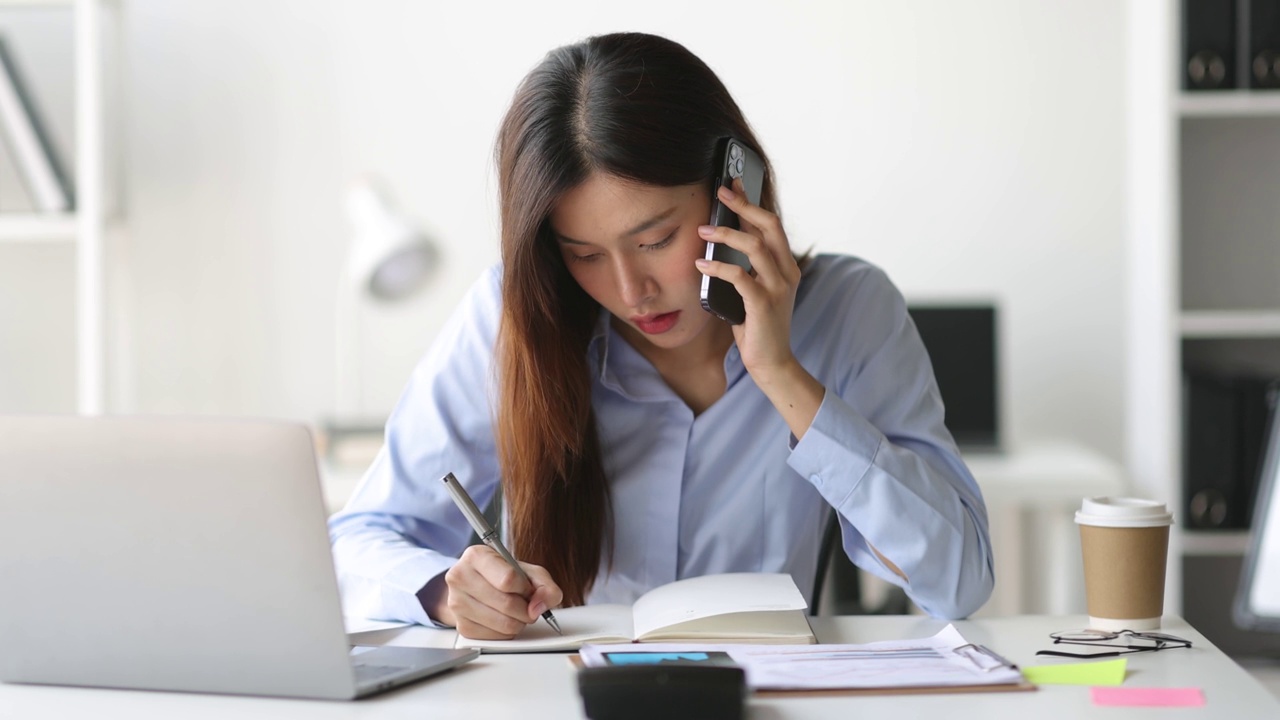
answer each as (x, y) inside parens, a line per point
(1123, 512)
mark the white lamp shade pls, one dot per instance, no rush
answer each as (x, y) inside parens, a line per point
(388, 259)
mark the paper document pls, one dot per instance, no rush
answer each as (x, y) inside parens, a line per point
(944, 660)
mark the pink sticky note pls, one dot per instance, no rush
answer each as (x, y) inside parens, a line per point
(1147, 696)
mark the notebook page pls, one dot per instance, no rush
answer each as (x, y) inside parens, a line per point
(581, 625)
(702, 597)
(773, 626)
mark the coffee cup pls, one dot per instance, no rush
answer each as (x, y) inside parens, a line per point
(1125, 545)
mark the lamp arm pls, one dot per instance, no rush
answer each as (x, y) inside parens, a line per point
(348, 400)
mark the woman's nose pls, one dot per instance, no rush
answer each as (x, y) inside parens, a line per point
(635, 284)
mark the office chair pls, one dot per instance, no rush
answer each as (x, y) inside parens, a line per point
(846, 581)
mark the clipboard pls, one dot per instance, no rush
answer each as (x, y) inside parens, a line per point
(1023, 686)
(931, 665)
(972, 649)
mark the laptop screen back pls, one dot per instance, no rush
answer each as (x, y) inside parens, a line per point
(167, 554)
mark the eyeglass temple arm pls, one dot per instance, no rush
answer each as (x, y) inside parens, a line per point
(1056, 653)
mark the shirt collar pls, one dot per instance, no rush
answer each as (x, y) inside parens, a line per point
(621, 368)
(598, 345)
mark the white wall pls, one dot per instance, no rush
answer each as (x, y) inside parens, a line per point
(972, 149)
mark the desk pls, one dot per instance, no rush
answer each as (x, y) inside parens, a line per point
(538, 687)
(1032, 493)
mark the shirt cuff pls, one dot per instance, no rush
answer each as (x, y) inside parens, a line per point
(401, 586)
(837, 450)
(430, 595)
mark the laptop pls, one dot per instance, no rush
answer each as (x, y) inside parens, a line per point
(177, 554)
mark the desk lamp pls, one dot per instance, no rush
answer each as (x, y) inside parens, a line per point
(388, 260)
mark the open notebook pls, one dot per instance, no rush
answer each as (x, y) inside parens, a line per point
(756, 608)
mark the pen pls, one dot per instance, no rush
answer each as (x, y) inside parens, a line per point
(488, 535)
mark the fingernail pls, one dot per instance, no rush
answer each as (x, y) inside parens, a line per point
(706, 229)
(539, 608)
(726, 192)
(702, 264)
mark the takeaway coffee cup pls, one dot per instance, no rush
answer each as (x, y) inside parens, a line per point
(1124, 542)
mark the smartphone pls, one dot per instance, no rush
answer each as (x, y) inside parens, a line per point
(734, 161)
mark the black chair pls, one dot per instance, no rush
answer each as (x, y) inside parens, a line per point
(846, 582)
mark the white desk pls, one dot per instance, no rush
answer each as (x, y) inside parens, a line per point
(537, 687)
(1031, 494)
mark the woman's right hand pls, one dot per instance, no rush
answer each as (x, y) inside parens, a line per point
(486, 599)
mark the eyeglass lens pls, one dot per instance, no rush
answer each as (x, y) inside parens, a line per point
(1129, 637)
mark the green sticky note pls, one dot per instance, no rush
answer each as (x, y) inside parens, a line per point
(1106, 672)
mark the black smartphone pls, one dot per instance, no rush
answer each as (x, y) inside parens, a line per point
(734, 161)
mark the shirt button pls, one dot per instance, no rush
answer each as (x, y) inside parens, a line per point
(816, 480)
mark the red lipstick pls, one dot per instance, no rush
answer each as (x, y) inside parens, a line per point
(656, 324)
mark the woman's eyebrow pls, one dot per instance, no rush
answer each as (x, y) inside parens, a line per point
(651, 221)
(646, 225)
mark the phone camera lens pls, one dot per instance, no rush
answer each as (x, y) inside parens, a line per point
(735, 160)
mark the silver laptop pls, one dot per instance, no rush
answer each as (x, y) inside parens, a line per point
(177, 554)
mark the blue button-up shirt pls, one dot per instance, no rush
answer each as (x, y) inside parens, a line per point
(729, 490)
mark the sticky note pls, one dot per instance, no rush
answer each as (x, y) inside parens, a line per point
(1147, 696)
(1106, 672)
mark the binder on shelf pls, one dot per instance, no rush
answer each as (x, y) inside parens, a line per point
(1225, 424)
(1209, 45)
(1264, 44)
(29, 142)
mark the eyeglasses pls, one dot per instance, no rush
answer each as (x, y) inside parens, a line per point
(1129, 641)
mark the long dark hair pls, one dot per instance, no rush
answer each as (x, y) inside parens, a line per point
(635, 106)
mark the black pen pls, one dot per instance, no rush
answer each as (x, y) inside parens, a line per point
(488, 535)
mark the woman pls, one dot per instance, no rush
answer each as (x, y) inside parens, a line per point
(637, 439)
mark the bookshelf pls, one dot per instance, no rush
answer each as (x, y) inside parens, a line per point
(1224, 324)
(1229, 103)
(32, 227)
(1203, 248)
(85, 226)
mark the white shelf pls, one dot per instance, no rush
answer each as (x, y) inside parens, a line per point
(85, 228)
(1215, 542)
(25, 227)
(1229, 103)
(1209, 324)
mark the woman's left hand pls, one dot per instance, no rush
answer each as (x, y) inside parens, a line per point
(768, 291)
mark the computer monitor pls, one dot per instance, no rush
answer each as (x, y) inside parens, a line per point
(962, 344)
(1257, 604)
